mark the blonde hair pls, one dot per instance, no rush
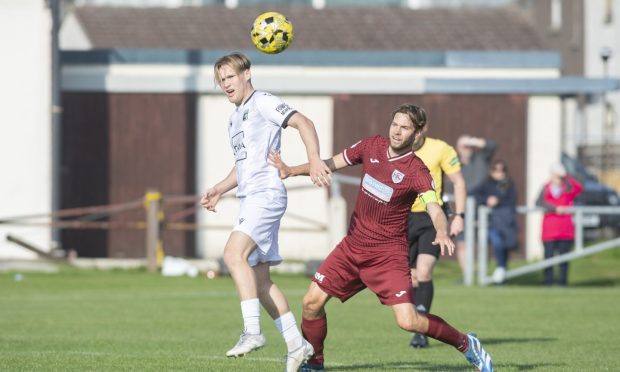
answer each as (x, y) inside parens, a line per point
(238, 61)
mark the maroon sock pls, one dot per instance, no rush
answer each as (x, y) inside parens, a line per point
(315, 331)
(440, 330)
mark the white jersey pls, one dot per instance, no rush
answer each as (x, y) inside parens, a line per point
(255, 129)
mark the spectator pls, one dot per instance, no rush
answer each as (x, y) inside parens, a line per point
(499, 194)
(558, 232)
(475, 154)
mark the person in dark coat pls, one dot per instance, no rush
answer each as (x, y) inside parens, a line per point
(498, 193)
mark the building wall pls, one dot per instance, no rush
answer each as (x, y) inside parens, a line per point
(543, 149)
(567, 35)
(118, 146)
(25, 132)
(599, 34)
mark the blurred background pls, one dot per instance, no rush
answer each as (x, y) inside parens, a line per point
(104, 100)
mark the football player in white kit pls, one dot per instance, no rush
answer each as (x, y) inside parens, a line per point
(255, 129)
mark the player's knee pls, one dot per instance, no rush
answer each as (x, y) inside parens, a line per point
(410, 323)
(312, 306)
(424, 272)
(424, 275)
(232, 258)
(406, 323)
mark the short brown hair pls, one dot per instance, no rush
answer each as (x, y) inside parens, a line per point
(238, 61)
(416, 114)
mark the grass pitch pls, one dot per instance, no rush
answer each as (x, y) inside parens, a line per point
(80, 320)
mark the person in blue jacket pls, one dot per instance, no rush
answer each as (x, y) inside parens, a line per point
(498, 193)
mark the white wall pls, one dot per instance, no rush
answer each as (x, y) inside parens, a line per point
(72, 36)
(599, 34)
(543, 149)
(25, 133)
(215, 160)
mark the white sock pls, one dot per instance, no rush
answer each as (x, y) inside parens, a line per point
(250, 310)
(288, 328)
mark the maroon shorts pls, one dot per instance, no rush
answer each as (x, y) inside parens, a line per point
(347, 270)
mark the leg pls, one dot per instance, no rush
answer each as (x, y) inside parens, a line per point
(422, 255)
(236, 253)
(423, 294)
(564, 247)
(410, 320)
(460, 254)
(549, 270)
(314, 322)
(500, 256)
(270, 296)
(437, 328)
(275, 303)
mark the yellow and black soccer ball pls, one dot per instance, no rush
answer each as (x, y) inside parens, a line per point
(272, 33)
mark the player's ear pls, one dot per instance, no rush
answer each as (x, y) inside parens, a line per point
(247, 75)
(417, 134)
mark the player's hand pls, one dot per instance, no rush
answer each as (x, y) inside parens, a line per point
(492, 201)
(445, 243)
(320, 174)
(457, 225)
(276, 160)
(561, 209)
(210, 198)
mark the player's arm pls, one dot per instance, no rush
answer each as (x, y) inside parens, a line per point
(319, 172)
(335, 163)
(460, 195)
(440, 222)
(212, 196)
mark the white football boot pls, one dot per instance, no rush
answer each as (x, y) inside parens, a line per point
(247, 343)
(299, 356)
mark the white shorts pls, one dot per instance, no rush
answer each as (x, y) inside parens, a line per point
(259, 218)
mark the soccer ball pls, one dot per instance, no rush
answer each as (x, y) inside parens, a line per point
(272, 32)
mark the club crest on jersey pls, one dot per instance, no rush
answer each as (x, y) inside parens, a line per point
(397, 176)
(245, 115)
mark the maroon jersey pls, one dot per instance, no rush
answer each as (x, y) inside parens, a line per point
(389, 187)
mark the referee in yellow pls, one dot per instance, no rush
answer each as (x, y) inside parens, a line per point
(440, 158)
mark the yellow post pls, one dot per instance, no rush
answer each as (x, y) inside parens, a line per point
(154, 219)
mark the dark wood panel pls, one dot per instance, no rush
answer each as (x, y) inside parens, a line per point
(84, 177)
(502, 118)
(151, 147)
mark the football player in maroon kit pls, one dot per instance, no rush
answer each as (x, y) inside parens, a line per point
(374, 254)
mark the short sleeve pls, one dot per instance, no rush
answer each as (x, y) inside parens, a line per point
(273, 109)
(450, 162)
(354, 154)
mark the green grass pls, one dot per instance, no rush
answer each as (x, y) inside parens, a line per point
(134, 321)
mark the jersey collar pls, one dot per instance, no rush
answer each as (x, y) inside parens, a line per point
(387, 153)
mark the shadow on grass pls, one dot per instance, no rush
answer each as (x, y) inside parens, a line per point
(397, 366)
(426, 366)
(515, 340)
(596, 283)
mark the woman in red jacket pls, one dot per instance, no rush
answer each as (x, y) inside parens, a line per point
(558, 232)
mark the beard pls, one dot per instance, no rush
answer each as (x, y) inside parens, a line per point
(406, 145)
